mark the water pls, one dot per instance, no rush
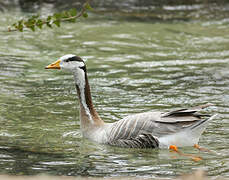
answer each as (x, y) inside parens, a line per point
(132, 67)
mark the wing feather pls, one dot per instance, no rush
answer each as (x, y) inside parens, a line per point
(155, 123)
(141, 141)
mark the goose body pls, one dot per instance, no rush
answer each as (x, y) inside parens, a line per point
(181, 127)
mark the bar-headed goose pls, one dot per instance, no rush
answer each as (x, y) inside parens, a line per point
(181, 127)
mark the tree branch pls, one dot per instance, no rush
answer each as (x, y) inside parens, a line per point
(34, 21)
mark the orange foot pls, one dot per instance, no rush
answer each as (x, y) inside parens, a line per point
(175, 149)
(200, 148)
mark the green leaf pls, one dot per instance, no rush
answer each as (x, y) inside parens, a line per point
(14, 25)
(39, 23)
(85, 15)
(20, 28)
(32, 27)
(88, 6)
(20, 25)
(49, 24)
(65, 14)
(57, 16)
(72, 12)
(48, 19)
(57, 23)
(26, 23)
(31, 21)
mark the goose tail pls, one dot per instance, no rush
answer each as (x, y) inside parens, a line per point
(198, 128)
(186, 137)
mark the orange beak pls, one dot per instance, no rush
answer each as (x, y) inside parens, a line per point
(55, 65)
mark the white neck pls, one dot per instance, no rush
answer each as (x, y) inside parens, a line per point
(89, 118)
(79, 77)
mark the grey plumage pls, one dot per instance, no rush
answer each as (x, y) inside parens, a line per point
(140, 141)
(140, 130)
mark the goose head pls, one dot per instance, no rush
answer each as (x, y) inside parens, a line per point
(75, 65)
(68, 62)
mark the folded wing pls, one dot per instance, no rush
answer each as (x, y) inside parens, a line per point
(143, 129)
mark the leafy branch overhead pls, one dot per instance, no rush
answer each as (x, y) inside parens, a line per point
(37, 22)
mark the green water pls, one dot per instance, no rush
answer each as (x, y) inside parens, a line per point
(132, 67)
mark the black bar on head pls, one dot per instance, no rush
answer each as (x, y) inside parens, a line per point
(74, 58)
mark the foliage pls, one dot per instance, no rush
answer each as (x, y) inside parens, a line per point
(37, 22)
